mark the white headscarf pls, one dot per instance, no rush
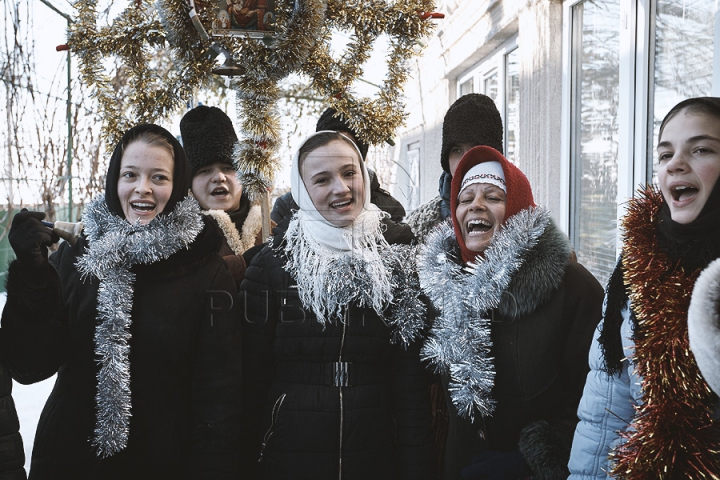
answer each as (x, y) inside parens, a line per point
(335, 266)
(323, 232)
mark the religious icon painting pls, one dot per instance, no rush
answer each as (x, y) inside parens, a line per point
(251, 18)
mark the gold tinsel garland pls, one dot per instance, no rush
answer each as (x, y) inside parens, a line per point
(374, 120)
(131, 37)
(301, 43)
(258, 91)
(673, 435)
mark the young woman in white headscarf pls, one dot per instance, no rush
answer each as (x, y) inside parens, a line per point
(136, 320)
(648, 410)
(334, 387)
(515, 317)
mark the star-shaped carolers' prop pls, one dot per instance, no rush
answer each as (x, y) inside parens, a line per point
(300, 43)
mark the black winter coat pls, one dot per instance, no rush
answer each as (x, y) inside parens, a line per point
(12, 455)
(302, 426)
(184, 362)
(541, 334)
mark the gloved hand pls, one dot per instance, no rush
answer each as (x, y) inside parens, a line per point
(495, 465)
(444, 184)
(29, 238)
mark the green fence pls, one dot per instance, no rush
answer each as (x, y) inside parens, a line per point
(6, 253)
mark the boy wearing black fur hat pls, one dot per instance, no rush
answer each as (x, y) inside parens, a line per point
(471, 121)
(209, 140)
(330, 120)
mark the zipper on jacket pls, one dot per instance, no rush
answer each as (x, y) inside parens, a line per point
(342, 344)
(273, 419)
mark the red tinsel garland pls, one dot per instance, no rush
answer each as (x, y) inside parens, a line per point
(673, 435)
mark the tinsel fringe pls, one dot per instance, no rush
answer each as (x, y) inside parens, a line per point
(673, 434)
(114, 245)
(373, 274)
(459, 342)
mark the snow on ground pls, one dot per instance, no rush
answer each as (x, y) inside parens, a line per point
(29, 401)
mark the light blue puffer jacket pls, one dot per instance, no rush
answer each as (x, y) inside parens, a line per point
(606, 408)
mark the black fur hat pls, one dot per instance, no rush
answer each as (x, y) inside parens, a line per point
(331, 120)
(475, 119)
(208, 137)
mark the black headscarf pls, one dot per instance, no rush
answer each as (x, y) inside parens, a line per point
(181, 172)
(697, 243)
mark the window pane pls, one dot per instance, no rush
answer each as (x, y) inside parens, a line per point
(466, 87)
(512, 102)
(413, 174)
(491, 86)
(596, 56)
(684, 45)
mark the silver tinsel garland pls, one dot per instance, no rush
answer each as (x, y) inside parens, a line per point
(114, 245)
(459, 342)
(374, 275)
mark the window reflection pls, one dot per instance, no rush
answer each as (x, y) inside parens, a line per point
(491, 86)
(466, 87)
(512, 104)
(595, 101)
(683, 58)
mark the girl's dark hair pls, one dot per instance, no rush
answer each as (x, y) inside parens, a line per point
(152, 139)
(153, 135)
(706, 105)
(320, 140)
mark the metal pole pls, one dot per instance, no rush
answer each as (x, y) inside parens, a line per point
(69, 113)
(70, 138)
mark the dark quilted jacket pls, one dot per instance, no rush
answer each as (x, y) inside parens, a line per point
(301, 426)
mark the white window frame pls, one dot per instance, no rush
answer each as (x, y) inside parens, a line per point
(635, 149)
(627, 109)
(491, 64)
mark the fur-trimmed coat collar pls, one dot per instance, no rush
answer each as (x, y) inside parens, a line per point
(520, 271)
(239, 241)
(535, 282)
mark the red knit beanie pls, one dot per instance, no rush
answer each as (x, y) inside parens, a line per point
(519, 193)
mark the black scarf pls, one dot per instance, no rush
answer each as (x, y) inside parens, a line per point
(181, 173)
(694, 245)
(238, 216)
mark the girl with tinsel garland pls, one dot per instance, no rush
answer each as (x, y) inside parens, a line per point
(334, 387)
(136, 320)
(515, 319)
(647, 412)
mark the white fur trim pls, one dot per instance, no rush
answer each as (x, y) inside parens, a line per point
(251, 227)
(704, 324)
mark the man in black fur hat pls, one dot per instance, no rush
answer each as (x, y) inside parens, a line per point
(471, 121)
(209, 141)
(331, 120)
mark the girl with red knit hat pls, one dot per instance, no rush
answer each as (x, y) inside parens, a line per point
(515, 319)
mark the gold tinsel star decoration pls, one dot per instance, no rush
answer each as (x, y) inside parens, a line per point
(301, 43)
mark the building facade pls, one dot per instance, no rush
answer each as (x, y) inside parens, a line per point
(582, 86)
